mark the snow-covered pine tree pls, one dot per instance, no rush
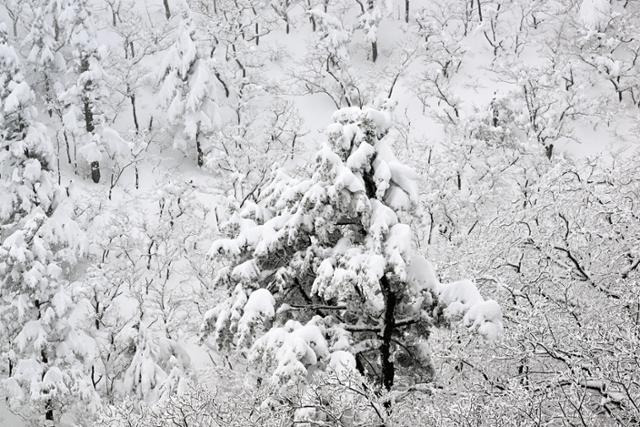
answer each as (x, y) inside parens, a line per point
(85, 95)
(369, 22)
(43, 42)
(42, 344)
(323, 272)
(186, 89)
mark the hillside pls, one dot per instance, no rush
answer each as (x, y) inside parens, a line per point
(349, 213)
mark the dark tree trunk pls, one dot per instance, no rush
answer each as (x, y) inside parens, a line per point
(132, 97)
(293, 144)
(49, 413)
(390, 299)
(66, 141)
(199, 149)
(200, 154)
(224, 85)
(56, 29)
(88, 115)
(479, 10)
(406, 11)
(86, 102)
(93, 377)
(95, 172)
(390, 302)
(374, 51)
(167, 12)
(313, 23)
(97, 308)
(47, 92)
(360, 365)
(549, 151)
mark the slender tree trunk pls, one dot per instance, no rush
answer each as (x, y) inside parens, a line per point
(406, 11)
(66, 141)
(97, 308)
(200, 154)
(167, 12)
(47, 94)
(48, 415)
(617, 86)
(58, 158)
(293, 144)
(132, 97)
(311, 18)
(479, 10)
(199, 149)
(374, 44)
(93, 378)
(75, 157)
(224, 85)
(88, 116)
(56, 29)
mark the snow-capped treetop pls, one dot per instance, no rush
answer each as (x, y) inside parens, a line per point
(187, 90)
(334, 37)
(370, 21)
(40, 40)
(327, 264)
(26, 150)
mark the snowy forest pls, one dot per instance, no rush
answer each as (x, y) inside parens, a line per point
(319, 213)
